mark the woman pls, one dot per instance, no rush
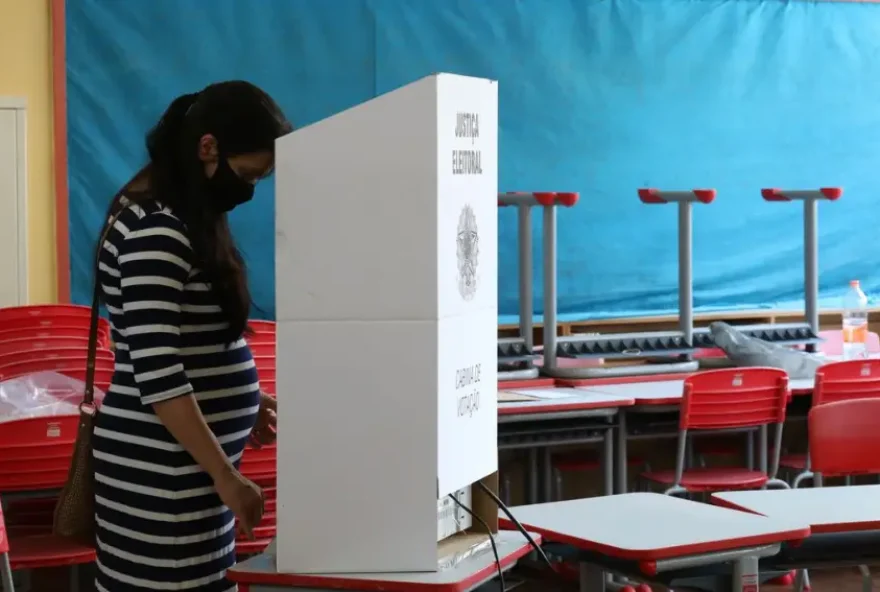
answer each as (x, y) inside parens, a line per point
(185, 396)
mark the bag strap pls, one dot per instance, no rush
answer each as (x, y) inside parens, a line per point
(89, 393)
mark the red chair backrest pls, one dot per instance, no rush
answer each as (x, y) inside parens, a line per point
(841, 381)
(20, 345)
(73, 367)
(44, 311)
(53, 353)
(844, 439)
(264, 362)
(268, 386)
(734, 398)
(45, 322)
(261, 350)
(262, 327)
(47, 333)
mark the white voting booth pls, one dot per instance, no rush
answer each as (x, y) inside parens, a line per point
(386, 294)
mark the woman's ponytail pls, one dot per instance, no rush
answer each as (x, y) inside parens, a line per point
(163, 141)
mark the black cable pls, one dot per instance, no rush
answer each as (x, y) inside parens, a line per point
(518, 525)
(491, 540)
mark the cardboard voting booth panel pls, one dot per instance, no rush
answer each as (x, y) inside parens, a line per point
(386, 296)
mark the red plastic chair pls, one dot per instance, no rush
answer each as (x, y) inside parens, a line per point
(19, 345)
(22, 550)
(844, 442)
(721, 400)
(264, 362)
(43, 333)
(268, 386)
(54, 354)
(35, 452)
(73, 367)
(844, 439)
(40, 551)
(262, 350)
(44, 312)
(46, 322)
(838, 381)
(51, 316)
(262, 327)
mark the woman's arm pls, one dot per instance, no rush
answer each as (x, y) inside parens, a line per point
(155, 260)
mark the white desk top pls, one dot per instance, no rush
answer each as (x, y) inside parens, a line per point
(826, 509)
(561, 400)
(655, 392)
(802, 385)
(651, 526)
(466, 575)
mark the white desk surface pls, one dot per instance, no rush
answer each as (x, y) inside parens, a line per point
(259, 572)
(652, 392)
(651, 526)
(802, 385)
(826, 509)
(560, 400)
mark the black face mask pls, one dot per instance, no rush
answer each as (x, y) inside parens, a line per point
(227, 189)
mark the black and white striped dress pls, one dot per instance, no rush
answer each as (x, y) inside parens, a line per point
(160, 523)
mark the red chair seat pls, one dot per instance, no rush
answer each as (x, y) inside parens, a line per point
(33, 552)
(585, 461)
(713, 479)
(797, 462)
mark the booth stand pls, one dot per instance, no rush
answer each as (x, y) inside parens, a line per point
(387, 312)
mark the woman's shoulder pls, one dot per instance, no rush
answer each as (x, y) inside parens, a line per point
(145, 218)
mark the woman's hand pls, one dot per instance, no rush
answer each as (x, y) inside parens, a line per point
(263, 433)
(243, 497)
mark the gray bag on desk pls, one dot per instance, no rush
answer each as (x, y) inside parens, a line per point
(750, 351)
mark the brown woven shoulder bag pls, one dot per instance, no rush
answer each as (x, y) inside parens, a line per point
(75, 511)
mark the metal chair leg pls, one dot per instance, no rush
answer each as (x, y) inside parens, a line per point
(867, 583)
(801, 580)
(6, 583)
(801, 478)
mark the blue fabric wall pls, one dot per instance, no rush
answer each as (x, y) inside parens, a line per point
(596, 96)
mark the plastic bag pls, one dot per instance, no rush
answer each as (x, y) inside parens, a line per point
(42, 394)
(744, 350)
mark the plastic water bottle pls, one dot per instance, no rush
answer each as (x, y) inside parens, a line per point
(855, 323)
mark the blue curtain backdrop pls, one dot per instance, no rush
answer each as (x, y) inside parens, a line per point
(596, 96)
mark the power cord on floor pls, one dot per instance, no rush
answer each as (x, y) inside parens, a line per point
(501, 505)
(491, 540)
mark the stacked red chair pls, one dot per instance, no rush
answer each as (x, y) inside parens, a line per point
(259, 464)
(35, 452)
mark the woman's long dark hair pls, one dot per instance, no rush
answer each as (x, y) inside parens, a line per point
(243, 119)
